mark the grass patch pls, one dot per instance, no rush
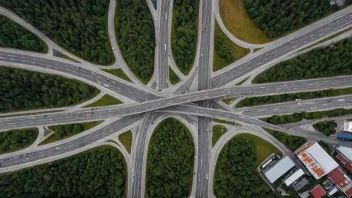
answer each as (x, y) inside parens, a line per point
(242, 81)
(235, 18)
(228, 100)
(226, 122)
(257, 49)
(326, 39)
(126, 139)
(119, 73)
(217, 132)
(105, 101)
(85, 126)
(174, 79)
(263, 148)
(238, 51)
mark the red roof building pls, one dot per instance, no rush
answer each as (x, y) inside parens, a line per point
(347, 164)
(342, 181)
(318, 191)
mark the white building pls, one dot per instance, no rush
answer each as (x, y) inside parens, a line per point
(292, 178)
(347, 126)
(278, 169)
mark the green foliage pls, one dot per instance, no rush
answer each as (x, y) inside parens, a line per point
(77, 25)
(105, 101)
(333, 60)
(276, 17)
(290, 141)
(170, 160)
(184, 38)
(135, 35)
(174, 79)
(126, 139)
(253, 101)
(297, 117)
(21, 90)
(14, 35)
(97, 173)
(234, 176)
(17, 139)
(223, 48)
(217, 132)
(326, 127)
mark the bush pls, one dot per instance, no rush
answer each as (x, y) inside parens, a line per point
(290, 141)
(326, 127)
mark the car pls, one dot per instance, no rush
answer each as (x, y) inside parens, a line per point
(81, 145)
(0, 164)
(57, 147)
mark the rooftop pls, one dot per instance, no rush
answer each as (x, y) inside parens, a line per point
(342, 181)
(292, 178)
(279, 169)
(315, 158)
(346, 163)
(318, 192)
(345, 151)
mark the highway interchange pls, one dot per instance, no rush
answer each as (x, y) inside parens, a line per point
(148, 104)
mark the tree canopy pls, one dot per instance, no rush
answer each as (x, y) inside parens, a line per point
(77, 25)
(235, 175)
(290, 141)
(332, 60)
(184, 38)
(136, 36)
(98, 173)
(223, 48)
(17, 139)
(22, 89)
(275, 17)
(326, 127)
(14, 35)
(170, 160)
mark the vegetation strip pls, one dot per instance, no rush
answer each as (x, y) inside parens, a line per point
(126, 139)
(290, 141)
(78, 26)
(184, 34)
(28, 90)
(332, 60)
(119, 73)
(65, 131)
(262, 100)
(297, 117)
(103, 169)
(105, 101)
(17, 139)
(174, 79)
(170, 160)
(135, 35)
(14, 35)
(326, 127)
(217, 132)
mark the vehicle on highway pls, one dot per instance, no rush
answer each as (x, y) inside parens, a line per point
(340, 100)
(81, 145)
(106, 85)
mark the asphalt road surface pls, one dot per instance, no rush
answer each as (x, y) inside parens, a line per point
(283, 49)
(163, 47)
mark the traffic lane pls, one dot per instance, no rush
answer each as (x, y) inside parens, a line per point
(137, 170)
(220, 114)
(130, 109)
(124, 89)
(75, 144)
(283, 49)
(299, 106)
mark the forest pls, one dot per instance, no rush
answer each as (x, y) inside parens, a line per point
(290, 141)
(170, 160)
(15, 36)
(223, 48)
(276, 17)
(261, 100)
(99, 172)
(23, 90)
(332, 60)
(297, 117)
(135, 35)
(185, 33)
(235, 176)
(326, 127)
(17, 139)
(78, 26)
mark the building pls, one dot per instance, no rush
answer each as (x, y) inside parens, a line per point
(293, 177)
(347, 164)
(345, 136)
(315, 159)
(347, 126)
(279, 169)
(342, 181)
(318, 191)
